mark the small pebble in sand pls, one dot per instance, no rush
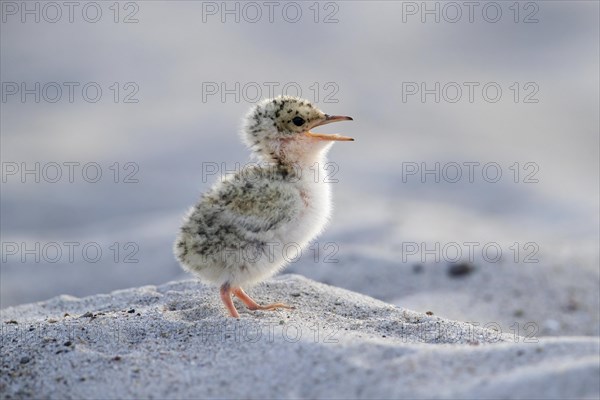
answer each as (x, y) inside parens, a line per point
(460, 269)
(518, 313)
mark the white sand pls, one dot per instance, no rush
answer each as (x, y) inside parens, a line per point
(177, 343)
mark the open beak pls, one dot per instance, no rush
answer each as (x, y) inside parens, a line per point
(328, 120)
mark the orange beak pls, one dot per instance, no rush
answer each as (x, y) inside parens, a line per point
(329, 119)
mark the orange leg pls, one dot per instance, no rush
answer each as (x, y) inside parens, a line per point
(226, 297)
(252, 305)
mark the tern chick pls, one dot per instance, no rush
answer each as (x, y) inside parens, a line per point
(238, 233)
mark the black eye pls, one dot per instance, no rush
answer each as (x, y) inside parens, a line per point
(298, 121)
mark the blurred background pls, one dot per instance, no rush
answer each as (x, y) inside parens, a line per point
(476, 126)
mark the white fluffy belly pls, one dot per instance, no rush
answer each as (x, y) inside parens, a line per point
(280, 245)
